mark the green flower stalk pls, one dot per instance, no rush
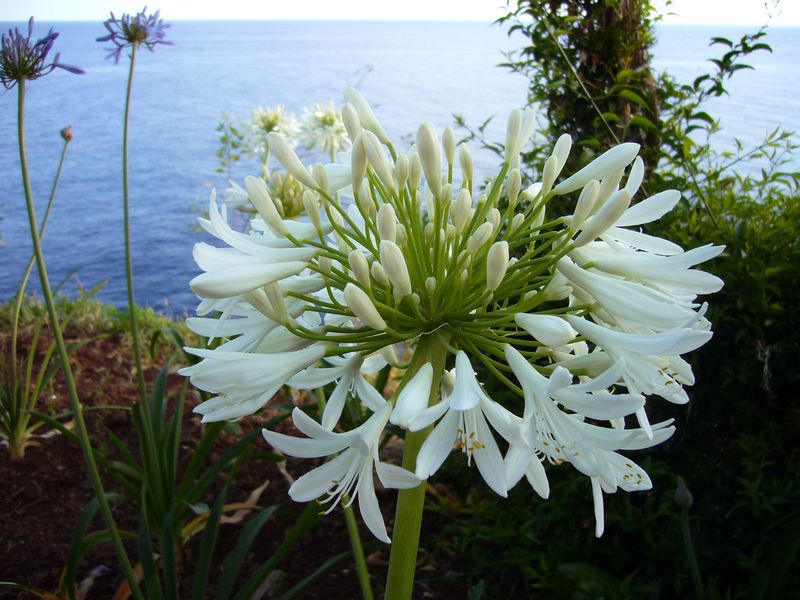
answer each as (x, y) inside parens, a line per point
(21, 62)
(404, 261)
(132, 32)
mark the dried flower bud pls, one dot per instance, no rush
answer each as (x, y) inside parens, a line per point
(67, 133)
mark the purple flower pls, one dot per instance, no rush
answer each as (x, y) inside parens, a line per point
(139, 29)
(19, 60)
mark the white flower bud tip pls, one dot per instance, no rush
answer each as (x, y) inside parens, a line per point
(282, 151)
(548, 329)
(610, 161)
(363, 308)
(449, 144)
(480, 237)
(430, 156)
(496, 265)
(394, 263)
(387, 223)
(360, 267)
(351, 121)
(366, 116)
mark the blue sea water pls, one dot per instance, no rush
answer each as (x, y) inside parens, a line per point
(410, 72)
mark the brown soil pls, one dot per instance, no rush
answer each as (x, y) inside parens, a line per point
(43, 495)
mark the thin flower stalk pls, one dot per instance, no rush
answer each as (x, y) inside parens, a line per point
(75, 403)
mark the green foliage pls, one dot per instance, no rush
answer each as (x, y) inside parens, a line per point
(232, 144)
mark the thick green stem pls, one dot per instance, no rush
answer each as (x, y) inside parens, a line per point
(691, 558)
(137, 353)
(358, 550)
(411, 502)
(75, 404)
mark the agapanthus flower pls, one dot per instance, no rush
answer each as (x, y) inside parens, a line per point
(322, 128)
(266, 120)
(141, 29)
(580, 316)
(21, 60)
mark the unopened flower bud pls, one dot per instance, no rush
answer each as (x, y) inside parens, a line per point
(415, 171)
(496, 265)
(282, 151)
(275, 299)
(585, 204)
(561, 150)
(608, 214)
(387, 223)
(463, 276)
(450, 231)
(360, 268)
(465, 160)
(377, 159)
(394, 263)
(514, 186)
(479, 238)
(320, 175)
(365, 115)
(351, 121)
(358, 162)
(364, 201)
(513, 133)
(610, 161)
(401, 235)
(430, 156)
(259, 196)
(401, 170)
(493, 217)
(449, 144)
(324, 264)
(311, 206)
(683, 497)
(428, 233)
(549, 174)
(462, 209)
(67, 133)
(363, 308)
(378, 273)
(430, 284)
(532, 191)
(517, 221)
(548, 329)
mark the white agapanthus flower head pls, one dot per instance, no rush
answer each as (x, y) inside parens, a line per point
(581, 316)
(266, 120)
(322, 128)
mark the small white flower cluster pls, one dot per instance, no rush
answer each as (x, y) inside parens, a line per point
(581, 316)
(320, 128)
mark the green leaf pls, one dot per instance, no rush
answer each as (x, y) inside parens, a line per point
(327, 565)
(632, 96)
(233, 563)
(640, 121)
(307, 520)
(207, 546)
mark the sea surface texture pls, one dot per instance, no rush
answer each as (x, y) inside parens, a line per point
(410, 72)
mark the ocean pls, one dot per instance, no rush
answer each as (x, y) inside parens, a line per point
(409, 71)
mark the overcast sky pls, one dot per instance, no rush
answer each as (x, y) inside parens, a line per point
(702, 12)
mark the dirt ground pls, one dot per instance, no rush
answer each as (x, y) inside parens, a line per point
(43, 496)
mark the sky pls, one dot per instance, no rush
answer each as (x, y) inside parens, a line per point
(700, 12)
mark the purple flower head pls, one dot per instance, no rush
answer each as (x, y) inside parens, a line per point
(139, 29)
(19, 60)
